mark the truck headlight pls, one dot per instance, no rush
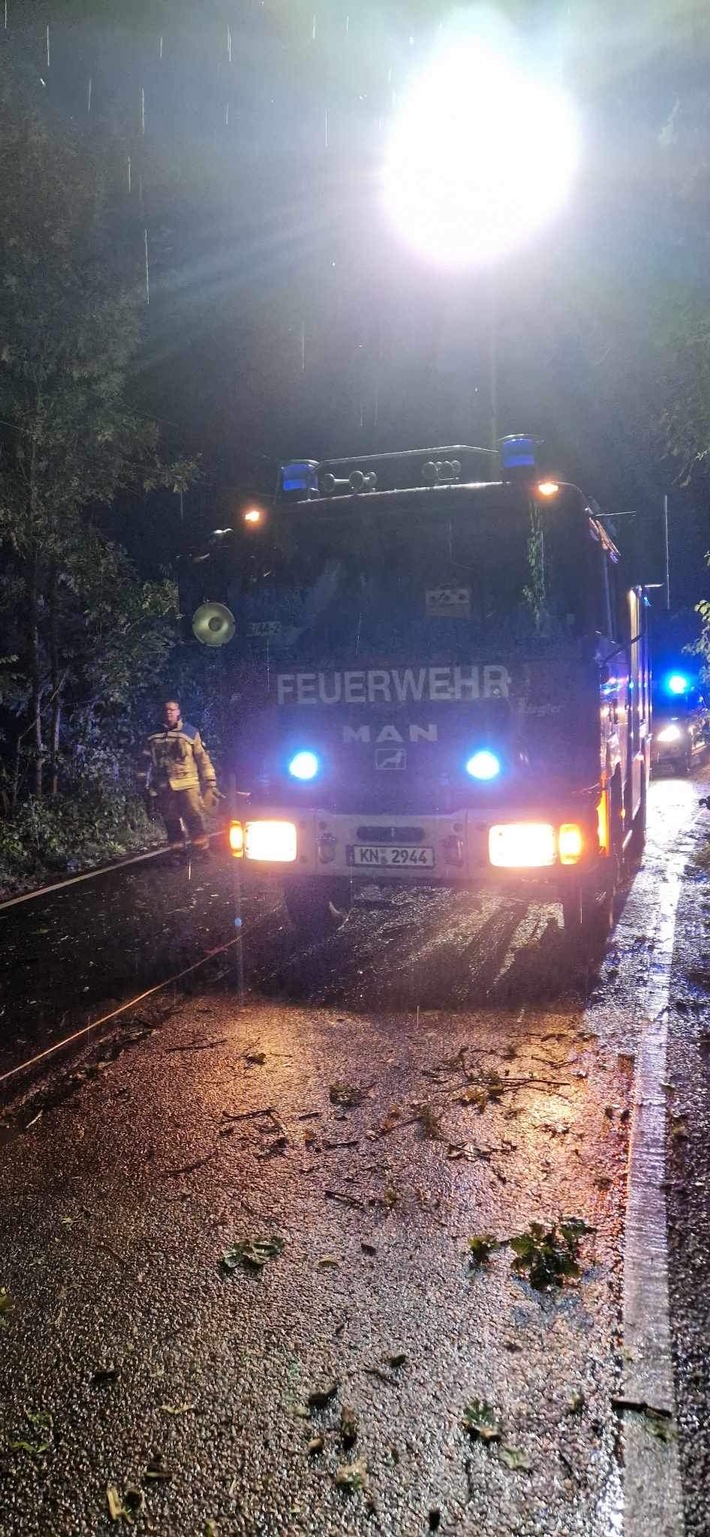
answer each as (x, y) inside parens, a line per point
(275, 841)
(670, 733)
(522, 845)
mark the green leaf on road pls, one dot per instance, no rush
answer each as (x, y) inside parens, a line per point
(29, 1447)
(254, 1253)
(42, 1420)
(549, 1256)
(348, 1094)
(5, 1304)
(352, 1475)
(481, 1248)
(514, 1459)
(480, 1421)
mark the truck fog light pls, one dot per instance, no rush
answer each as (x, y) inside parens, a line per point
(276, 841)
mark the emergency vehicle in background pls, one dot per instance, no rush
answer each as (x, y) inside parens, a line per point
(449, 685)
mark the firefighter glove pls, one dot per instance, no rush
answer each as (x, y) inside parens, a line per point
(211, 797)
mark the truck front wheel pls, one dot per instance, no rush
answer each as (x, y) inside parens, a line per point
(316, 908)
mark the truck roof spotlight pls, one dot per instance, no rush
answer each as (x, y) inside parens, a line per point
(484, 765)
(304, 765)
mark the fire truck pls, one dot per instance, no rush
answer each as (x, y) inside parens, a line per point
(446, 683)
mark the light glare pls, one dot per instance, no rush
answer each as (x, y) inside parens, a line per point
(571, 843)
(304, 765)
(483, 765)
(677, 683)
(670, 733)
(236, 839)
(480, 157)
(275, 841)
(521, 845)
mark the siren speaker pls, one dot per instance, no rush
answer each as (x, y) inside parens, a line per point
(213, 624)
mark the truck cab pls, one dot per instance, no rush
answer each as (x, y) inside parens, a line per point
(451, 685)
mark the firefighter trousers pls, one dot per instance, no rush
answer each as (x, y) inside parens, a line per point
(183, 807)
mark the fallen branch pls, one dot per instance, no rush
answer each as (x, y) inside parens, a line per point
(199, 1045)
(347, 1200)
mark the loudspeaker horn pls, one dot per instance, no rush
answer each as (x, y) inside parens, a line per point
(213, 624)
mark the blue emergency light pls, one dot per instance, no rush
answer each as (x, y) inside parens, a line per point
(304, 765)
(677, 683)
(300, 478)
(517, 452)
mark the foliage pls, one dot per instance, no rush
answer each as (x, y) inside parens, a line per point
(70, 833)
(481, 1248)
(480, 1421)
(86, 634)
(253, 1253)
(549, 1256)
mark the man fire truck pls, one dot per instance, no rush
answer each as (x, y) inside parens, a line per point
(453, 685)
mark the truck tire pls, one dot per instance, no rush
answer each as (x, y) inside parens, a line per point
(316, 908)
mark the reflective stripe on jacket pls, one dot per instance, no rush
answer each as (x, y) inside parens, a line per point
(174, 758)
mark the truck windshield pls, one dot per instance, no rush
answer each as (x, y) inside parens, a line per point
(412, 583)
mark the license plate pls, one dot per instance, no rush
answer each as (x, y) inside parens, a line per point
(376, 856)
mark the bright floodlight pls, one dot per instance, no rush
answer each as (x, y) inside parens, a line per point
(480, 158)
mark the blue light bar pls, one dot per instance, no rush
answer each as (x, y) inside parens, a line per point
(517, 452)
(300, 478)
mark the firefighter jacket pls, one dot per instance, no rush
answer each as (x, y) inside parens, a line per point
(174, 758)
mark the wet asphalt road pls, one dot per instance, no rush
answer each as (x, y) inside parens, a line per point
(492, 1081)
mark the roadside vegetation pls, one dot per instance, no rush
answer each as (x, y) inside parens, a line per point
(86, 638)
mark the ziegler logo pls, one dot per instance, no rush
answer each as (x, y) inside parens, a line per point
(390, 758)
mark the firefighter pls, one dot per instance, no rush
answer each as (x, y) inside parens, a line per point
(177, 773)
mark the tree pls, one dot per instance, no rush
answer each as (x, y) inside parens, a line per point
(70, 325)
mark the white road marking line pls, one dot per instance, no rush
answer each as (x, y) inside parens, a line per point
(653, 1502)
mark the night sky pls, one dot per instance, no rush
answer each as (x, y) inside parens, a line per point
(286, 317)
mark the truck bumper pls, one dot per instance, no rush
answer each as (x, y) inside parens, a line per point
(518, 847)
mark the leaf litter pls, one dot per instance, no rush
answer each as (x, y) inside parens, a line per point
(348, 1095)
(549, 1256)
(251, 1253)
(479, 1420)
(352, 1476)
